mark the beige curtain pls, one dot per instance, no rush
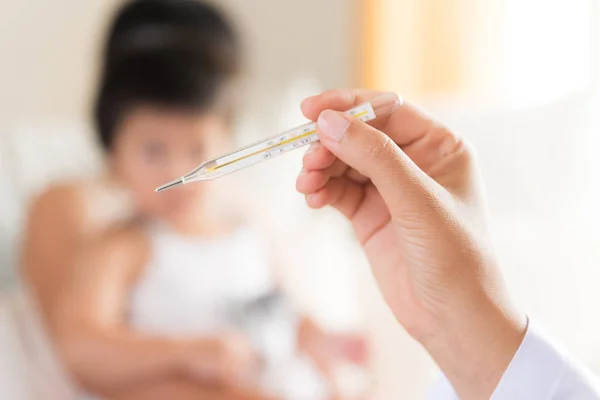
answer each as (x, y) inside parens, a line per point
(425, 48)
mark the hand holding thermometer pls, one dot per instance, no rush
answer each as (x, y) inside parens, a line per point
(380, 106)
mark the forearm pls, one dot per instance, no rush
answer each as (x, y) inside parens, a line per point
(175, 388)
(474, 352)
(181, 389)
(109, 361)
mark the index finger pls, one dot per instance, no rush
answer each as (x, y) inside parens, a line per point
(404, 126)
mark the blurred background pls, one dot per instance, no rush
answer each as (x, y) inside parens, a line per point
(518, 77)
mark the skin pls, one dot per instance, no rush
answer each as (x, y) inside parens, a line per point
(412, 192)
(82, 264)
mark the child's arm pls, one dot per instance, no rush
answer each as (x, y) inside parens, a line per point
(108, 358)
(55, 227)
(182, 389)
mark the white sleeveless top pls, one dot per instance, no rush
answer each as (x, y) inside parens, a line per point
(188, 284)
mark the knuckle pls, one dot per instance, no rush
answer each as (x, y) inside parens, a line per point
(375, 146)
(467, 149)
(337, 92)
(439, 136)
(346, 96)
(449, 143)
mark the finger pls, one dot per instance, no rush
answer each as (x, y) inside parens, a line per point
(356, 176)
(326, 161)
(311, 181)
(353, 348)
(374, 155)
(338, 99)
(337, 169)
(318, 157)
(405, 125)
(432, 148)
(340, 193)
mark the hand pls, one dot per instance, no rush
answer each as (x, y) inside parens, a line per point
(227, 360)
(327, 350)
(411, 190)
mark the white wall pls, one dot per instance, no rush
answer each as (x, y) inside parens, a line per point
(49, 49)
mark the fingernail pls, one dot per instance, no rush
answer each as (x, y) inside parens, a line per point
(312, 148)
(333, 124)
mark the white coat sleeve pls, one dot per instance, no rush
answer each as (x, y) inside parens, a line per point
(540, 370)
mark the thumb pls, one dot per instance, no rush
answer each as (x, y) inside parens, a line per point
(373, 154)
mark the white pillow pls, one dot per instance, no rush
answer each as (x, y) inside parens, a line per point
(33, 155)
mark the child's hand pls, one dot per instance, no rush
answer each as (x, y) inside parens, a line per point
(224, 360)
(332, 351)
(327, 350)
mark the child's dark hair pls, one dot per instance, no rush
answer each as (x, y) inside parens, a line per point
(169, 53)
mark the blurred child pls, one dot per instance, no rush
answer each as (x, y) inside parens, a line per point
(140, 289)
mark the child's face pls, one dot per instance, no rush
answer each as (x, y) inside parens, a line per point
(154, 146)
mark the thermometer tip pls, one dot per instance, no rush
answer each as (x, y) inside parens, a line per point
(169, 185)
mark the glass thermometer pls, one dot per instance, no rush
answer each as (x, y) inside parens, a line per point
(380, 106)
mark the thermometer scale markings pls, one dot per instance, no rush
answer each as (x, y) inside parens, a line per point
(282, 143)
(244, 157)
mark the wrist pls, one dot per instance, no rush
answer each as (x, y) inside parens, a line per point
(183, 360)
(197, 359)
(475, 348)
